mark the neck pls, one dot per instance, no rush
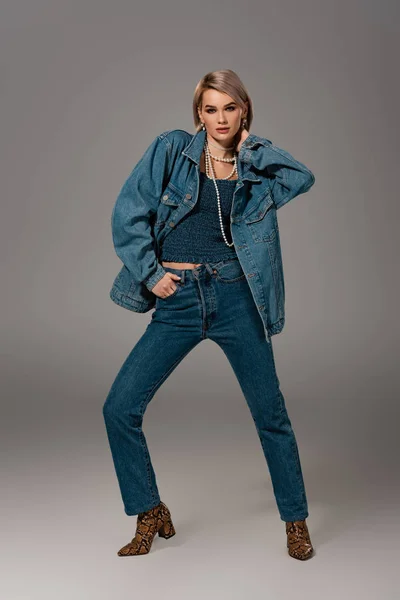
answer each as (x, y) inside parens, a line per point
(224, 150)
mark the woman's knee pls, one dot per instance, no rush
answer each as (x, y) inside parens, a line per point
(123, 406)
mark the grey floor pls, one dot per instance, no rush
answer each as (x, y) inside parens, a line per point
(63, 520)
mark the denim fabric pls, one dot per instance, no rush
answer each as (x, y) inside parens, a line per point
(198, 237)
(163, 188)
(212, 301)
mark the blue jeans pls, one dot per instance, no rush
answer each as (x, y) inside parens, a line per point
(212, 301)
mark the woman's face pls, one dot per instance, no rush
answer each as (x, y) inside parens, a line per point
(220, 110)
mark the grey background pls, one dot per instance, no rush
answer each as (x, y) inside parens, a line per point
(85, 87)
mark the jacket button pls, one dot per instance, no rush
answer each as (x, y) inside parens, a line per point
(171, 224)
(188, 195)
(165, 197)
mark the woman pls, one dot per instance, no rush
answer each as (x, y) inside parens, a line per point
(200, 258)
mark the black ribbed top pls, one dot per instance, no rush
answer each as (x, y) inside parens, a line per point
(198, 237)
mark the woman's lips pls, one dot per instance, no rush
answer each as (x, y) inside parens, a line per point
(223, 130)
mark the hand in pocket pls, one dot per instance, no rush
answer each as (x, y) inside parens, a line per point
(166, 286)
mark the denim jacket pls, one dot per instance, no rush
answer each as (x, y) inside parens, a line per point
(163, 187)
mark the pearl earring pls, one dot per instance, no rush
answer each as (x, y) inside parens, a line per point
(203, 126)
(243, 123)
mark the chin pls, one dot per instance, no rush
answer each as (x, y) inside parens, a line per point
(224, 136)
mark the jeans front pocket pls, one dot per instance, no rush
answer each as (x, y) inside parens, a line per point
(179, 285)
(168, 298)
(229, 271)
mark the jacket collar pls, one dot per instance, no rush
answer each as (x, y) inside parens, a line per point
(195, 147)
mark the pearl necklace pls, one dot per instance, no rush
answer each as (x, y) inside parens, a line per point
(210, 169)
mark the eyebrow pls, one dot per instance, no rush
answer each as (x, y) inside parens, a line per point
(212, 106)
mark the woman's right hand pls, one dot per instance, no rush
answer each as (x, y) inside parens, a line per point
(165, 287)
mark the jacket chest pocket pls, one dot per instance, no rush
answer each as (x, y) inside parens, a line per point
(170, 200)
(261, 219)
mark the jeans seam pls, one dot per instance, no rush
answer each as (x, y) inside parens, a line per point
(221, 280)
(298, 469)
(142, 410)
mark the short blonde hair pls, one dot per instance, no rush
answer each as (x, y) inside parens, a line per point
(225, 81)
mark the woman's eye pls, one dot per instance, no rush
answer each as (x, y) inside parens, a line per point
(213, 109)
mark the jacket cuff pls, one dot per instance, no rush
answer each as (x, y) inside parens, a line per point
(151, 281)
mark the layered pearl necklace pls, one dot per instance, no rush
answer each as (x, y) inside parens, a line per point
(211, 174)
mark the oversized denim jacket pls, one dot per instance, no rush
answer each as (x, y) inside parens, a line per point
(163, 187)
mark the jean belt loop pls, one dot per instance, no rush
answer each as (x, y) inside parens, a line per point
(209, 267)
(182, 279)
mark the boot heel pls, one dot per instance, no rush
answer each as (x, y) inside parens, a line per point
(167, 530)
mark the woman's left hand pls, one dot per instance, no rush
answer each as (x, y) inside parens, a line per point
(243, 135)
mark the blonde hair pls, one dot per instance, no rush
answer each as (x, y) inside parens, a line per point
(228, 82)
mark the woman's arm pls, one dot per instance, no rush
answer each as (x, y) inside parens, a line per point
(288, 177)
(130, 222)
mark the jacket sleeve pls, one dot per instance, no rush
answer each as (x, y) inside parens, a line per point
(137, 201)
(288, 177)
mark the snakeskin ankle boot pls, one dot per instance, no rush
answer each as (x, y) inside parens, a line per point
(149, 523)
(298, 540)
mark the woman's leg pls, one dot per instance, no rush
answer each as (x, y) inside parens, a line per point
(252, 360)
(237, 328)
(160, 349)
